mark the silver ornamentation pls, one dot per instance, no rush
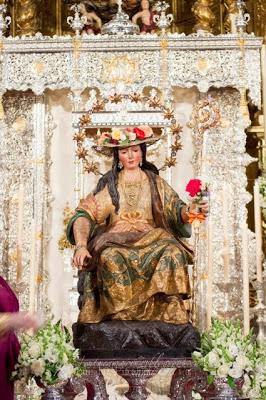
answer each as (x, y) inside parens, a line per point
(162, 20)
(25, 159)
(76, 23)
(46, 63)
(4, 21)
(260, 311)
(225, 160)
(242, 18)
(120, 24)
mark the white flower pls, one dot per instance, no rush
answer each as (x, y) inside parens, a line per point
(254, 393)
(233, 349)
(196, 395)
(66, 372)
(37, 367)
(123, 137)
(50, 356)
(131, 135)
(197, 354)
(34, 350)
(242, 361)
(213, 359)
(235, 372)
(222, 371)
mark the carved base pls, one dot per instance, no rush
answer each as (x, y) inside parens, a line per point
(132, 339)
(187, 377)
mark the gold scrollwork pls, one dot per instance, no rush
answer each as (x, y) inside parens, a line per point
(123, 68)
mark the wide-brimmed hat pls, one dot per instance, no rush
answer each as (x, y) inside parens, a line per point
(126, 137)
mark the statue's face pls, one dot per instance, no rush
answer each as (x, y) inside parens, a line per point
(130, 157)
(145, 4)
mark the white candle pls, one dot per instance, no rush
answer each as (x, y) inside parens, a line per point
(245, 278)
(263, 73)
(225, 212)
(20, 231)
(210, 275)
(258, 231)
(32, 268)
(203, 156)
(81, 180)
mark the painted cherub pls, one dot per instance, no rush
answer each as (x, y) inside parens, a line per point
(94, 23)
(146, 16)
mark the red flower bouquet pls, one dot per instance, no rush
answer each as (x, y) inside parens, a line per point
(193, 187)
(197, 192)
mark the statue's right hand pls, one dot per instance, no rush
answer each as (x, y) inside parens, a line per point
(80, 256)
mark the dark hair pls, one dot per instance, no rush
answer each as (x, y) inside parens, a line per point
(111, 177)
(89, 6)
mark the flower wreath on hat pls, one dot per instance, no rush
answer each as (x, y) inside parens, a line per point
(105, 140)
(124, 137)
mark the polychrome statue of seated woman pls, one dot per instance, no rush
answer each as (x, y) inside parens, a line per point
(128, 236)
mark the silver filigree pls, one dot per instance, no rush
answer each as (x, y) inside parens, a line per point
(242, 18)
(4, 21)
(76, 23)
(162, 20)
(46, 63)
(120, 24)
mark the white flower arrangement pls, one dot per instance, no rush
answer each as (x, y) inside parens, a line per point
(48, 356)
(254, 386)
(226, 353)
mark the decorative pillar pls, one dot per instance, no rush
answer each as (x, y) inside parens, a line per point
(205, 18)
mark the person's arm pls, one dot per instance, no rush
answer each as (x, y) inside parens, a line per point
(4, 323)
(136, 17)
(17, 320)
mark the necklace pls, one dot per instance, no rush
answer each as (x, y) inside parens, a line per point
(132, 190)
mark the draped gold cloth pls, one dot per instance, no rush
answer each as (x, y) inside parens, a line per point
(140, 267)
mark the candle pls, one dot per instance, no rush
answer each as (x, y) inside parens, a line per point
(20, 231)
(245, 278)
(32, 288)
(263, 72)
(258, 231)
(225, 211)
(81, 180)
(210, 275)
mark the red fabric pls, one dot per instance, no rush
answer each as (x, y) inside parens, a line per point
(9, 345)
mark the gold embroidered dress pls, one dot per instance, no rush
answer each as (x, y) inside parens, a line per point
(139, 263)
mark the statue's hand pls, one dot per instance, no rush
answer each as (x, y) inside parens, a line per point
(202, 207)
(80, 256)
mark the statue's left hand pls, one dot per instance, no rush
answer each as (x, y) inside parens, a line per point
(202, 207)
(80, 257)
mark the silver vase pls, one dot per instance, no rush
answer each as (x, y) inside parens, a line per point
(51, 393)
(223, 391)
